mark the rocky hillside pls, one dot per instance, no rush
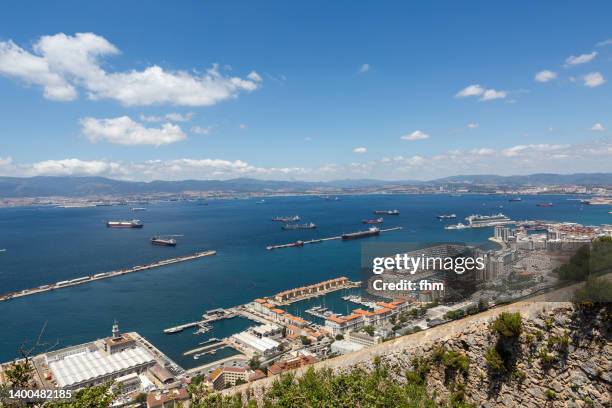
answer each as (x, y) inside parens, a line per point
(560, 356)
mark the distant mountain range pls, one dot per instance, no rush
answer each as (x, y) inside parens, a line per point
(87, 186)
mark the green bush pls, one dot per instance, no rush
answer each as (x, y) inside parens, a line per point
(508, 324)
(495, 361)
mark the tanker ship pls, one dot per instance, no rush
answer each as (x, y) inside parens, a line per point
(374, 221)
(124, 224)
(287, 219)
(387, 212)
(163, 241)
(371, 232)
(310, 225)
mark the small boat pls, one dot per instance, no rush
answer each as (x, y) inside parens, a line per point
(139, 209)
(544, 204)
(374, 221)
(515, 199)
(447, 216)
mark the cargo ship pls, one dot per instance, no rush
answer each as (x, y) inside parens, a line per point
(388, 212)
(447, 216)
(487, 220)
(310, 225)
(139, 209)
(515, 199)
(291, 245)
(371, 232)
(163, 241)
(124, 224)
(374, 221)
(544, 204)
(287, 219)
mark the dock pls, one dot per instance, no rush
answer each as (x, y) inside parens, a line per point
(206, 349)
(206, 319)
(319, 240)
(104, 275)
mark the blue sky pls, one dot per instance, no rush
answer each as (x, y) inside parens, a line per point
(312, 90)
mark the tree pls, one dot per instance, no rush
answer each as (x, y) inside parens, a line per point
(100, 396)
(305, 341)
(368, 329)
(508, 324)
(254, 362)
(339, 337)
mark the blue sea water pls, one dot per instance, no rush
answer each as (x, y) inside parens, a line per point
(45, 245)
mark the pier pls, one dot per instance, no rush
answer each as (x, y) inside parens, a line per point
(208, 349)
(320, 240)
(208, 317)
(103, 275)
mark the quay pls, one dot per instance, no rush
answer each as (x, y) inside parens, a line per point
(208, 317)
(104, 275)
(319, 240)
(206, 349)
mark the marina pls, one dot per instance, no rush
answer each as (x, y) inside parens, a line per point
(103, 275)
(342, 237)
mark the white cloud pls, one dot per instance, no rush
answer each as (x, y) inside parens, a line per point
(491, 94)
(594, 79)
(364, 68)
(483, 151)
(545, 76)
(522, 150)
(580, 59)
(470, 90)
(592, 156)
(472, 125)
(416, 135)
(172, 117)
(242, 126)
(123, 130)
(604, 43)
(598, 127)
(201, 130)
(360, 150)
(477, 90)
(61, 64)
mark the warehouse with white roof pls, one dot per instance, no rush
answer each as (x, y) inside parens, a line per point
(88, 367)
(263, 346)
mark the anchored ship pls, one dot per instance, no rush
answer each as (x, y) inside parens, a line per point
(139, 209)
(446, 216)
(487, 220)
(388, 212)
(287, 219)
(163, 241)
(515, 199)
(124, 224)
(456, 227)
(310, 225)
(544, 204)
(373, 231)
(374, 221)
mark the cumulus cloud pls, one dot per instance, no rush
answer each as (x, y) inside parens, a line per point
(545, 76)
(242, 126)
(472, 125)
(484, 94)
(598, 127)
(124, 130)
(61, 64)
(604, 43)
(364, 68)
(360, 150)
(593, 80)
(416, 135)
(580, 59)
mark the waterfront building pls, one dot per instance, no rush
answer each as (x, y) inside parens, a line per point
(224, 377)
